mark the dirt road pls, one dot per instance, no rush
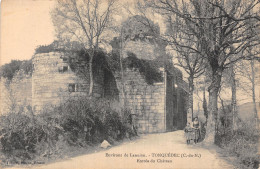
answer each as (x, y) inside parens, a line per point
(161, 151)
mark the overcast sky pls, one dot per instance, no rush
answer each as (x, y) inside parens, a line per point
(25, 24)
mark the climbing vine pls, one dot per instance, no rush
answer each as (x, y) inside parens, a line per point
(148, 68)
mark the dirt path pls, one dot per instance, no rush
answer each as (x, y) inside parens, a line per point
(165, 150)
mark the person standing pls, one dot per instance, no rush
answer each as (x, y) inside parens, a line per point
(196, 127)
(188, 133)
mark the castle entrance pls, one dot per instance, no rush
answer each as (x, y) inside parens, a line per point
(176, 115)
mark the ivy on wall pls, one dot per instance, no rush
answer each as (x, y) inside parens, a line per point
(148, 68)
(110, 62)
(80, 59)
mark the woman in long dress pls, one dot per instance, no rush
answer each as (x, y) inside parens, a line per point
(196, 127)
(188, 133)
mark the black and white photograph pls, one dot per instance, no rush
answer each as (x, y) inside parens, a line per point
(129, 84)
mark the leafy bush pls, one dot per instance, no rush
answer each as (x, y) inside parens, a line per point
(242, 143)
(114, 126)
(80, 122)
(22, 133)
(8, 70)
(91, 121)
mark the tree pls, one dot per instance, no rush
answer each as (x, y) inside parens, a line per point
(219, 30)
(85, 21)
(10, 69)
(233, 98)
(253, 88)
(191, 62)
(230, 81)
(249, 70)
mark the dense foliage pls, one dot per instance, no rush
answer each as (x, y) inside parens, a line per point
(78, 61)
(110, 62)
(242, 143)
(57, 46)
(148, 68)
(139, 28)
(8, 70)
(28, 138)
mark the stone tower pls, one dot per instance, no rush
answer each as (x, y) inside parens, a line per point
(53, 81)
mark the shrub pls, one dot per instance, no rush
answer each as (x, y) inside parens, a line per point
(80, 122)
(21, 135)
(242, 144)
(114, 126)
(88, 121)
(10, 69)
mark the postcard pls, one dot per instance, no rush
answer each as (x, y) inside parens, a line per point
(98, 84)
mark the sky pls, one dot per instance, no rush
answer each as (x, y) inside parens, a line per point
(25, 24)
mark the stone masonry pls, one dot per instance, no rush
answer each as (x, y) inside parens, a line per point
(53, 81)
(17, 93)
(147, 102)
(156, 107)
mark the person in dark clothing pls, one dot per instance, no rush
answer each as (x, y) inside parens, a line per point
(196, 127)
(188, 133)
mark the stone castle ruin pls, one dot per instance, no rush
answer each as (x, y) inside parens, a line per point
(53, 80)
(158, 104)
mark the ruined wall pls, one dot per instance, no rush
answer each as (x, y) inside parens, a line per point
(22, 88)
(54, 82)
(147, 49)
(17, 93)
(51, 82)
(159, 107)
(3, 96)
(147, 102)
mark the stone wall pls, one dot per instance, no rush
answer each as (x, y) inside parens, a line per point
(16, 93)
(3, 97)
(147, 102)
(22, 88)
(159, 107)
(51, 82)
(54, 82)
